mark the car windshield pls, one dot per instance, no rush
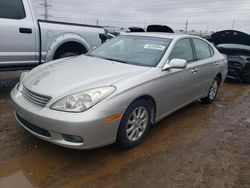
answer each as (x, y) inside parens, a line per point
(234, 49)
(135, 50)
(234, 46)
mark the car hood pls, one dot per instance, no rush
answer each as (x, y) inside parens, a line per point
(160, 28)
(77, 74)
(230, 37)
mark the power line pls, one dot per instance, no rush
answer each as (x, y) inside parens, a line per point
(147, 10)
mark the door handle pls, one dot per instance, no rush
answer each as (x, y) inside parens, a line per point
(194, 70)
(25, 30)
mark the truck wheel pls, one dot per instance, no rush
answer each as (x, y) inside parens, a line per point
(67, 54)
(213, 91)
(69, 49)
(134, 124)
(246, 77)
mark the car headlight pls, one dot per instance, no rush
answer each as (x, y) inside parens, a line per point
(22, 76)
(81, 101)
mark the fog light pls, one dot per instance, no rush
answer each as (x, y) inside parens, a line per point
(72, 138)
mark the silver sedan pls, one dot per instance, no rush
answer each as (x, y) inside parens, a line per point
(116, 91)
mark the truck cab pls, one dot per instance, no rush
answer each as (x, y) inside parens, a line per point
(26, 41)
(19, 43)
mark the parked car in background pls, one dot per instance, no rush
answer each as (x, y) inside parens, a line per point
(27, 42)
(236, 46)
(159, 28)
(135, 29)
(152, 28)
(116, 91)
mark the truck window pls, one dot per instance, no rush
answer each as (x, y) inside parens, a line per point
(12, 9)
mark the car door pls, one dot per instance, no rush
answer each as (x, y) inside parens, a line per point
(17, 33)
(177, 84)
(205, 66)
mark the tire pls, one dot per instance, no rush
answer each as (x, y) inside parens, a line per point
(67, 54)
(132, 130)
(69, 49)
(213, 91)
(246, 77)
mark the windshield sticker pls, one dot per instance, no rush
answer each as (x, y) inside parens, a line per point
(154, 47)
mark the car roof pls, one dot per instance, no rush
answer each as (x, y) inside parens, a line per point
(160, 35)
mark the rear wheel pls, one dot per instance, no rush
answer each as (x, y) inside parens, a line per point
(67, 54)
(213, 91)
(69, 49)
(134, 124)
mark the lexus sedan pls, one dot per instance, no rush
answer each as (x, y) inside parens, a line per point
(116, 91)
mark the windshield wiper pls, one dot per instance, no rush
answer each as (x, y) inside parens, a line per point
(117, 60)
(106, 58)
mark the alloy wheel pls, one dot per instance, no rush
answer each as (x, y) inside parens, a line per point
(137, 123)
(213, 90)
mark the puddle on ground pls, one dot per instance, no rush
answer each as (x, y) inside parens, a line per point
(19, 178)
(53, 166)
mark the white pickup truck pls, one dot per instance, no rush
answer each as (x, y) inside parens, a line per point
(26, 42)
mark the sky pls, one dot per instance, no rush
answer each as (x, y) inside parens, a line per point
(202, 15)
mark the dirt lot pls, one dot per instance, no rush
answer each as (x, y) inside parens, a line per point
(198, 146)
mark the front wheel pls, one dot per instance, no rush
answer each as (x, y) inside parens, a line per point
(134, 124)
(213, 91)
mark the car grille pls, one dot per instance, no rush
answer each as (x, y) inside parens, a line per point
(32, 127)
(234, 64)
(33, 97)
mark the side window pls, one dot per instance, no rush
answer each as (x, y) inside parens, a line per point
(202, 49)
(12, 9)
(182, 50)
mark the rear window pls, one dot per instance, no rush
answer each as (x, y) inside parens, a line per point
(202, 49)
(211, 51)
(12, 9)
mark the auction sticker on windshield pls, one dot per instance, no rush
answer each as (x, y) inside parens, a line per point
(154, 47)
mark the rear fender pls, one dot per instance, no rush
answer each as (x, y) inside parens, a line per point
(67, 37)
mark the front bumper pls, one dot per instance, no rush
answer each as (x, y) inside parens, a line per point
(89, 125)
(235, 70)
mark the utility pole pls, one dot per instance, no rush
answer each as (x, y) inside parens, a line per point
(233, 23)
(46, 10)
(46, 7)
(145, 23)
(186, 26)
(207, 28)
(97, 22)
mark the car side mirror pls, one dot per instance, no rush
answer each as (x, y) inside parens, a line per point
(175, 64)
